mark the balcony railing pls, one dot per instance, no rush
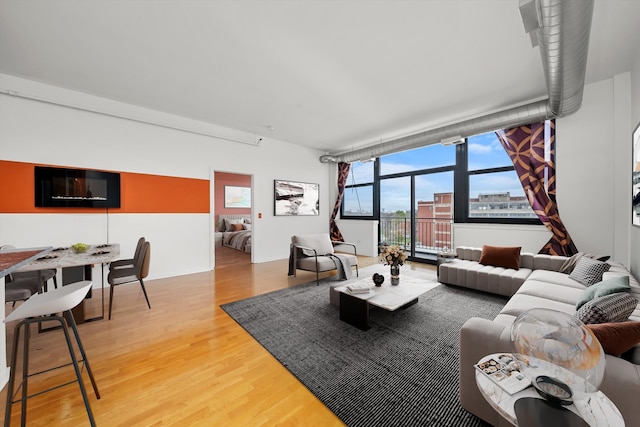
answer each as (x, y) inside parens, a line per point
(432, 235)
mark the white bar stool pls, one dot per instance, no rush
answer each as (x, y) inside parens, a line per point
(45, 307)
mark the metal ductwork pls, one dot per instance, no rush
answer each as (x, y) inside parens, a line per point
(563, 35)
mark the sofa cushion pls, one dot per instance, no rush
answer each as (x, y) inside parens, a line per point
(589, 271)
(501, 256)
(609, 308)
(617, 338)
(606, 287)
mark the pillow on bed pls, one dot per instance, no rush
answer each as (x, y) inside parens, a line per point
(228, 223)
(237, 227)
(246, 226)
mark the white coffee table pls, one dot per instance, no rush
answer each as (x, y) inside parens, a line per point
(598, 410)
(354, 308)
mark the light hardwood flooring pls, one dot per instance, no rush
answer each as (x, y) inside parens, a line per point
(185, 362)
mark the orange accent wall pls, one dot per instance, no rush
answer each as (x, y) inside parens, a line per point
(139, 193)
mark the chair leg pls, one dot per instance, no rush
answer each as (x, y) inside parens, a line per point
(110, 298)
(25, 374)
(72, 323)
(145, 293)
(12, 374)
(78, 373)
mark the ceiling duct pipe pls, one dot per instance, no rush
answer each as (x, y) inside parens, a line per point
(563, 36)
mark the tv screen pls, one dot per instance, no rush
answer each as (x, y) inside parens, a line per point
(80, 188)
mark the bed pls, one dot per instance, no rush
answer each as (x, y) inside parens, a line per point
(236, 231)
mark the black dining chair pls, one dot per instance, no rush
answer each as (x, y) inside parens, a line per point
(130, 270)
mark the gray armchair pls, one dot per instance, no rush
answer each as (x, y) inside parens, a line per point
(316, 253)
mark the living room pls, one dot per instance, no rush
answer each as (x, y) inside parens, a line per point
(48, 124)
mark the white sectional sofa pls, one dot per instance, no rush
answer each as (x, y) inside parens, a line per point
(536, 284)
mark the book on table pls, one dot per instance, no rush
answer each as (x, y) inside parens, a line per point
(358, 289)
(502, 369)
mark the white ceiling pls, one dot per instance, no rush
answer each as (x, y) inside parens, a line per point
(326, 74)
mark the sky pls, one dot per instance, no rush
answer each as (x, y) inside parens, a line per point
(485, 151)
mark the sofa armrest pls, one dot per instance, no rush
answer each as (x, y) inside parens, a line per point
(478, 338)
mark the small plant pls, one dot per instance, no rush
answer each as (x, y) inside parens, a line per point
(80, 248)
(393, 255)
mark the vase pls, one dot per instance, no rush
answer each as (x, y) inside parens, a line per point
(395, 274)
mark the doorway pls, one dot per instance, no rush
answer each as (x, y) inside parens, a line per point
(232, 219)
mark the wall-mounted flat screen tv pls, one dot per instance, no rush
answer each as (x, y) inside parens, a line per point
(76, 188)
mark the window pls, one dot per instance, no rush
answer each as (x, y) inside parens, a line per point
(494, 190)
(358, 198)
(475, 179)
(423, 158)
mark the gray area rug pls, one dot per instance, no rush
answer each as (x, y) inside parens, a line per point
(401, 372)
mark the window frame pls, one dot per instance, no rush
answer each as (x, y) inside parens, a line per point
(461, 176)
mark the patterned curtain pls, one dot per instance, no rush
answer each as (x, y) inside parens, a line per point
(527, 146)
(343, 174)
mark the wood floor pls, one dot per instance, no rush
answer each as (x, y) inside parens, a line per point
(185, 362)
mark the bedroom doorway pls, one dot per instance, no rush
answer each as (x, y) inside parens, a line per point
(232, 219)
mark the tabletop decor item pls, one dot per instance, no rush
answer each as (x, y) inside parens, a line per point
(394, 257)
(378, 279)
(80, 248)
(559, 354)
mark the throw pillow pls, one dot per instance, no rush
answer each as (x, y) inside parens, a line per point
(606, 287)
(237, 227)
(568, 266)
(617, 338)
(501, 256)
(589, 271)
(609, 308)
(246, 226)
(229, 223)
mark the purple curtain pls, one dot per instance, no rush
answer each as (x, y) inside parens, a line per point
(532, 151)
(343, 174)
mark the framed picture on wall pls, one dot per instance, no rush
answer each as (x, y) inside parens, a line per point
(237, 197)
(635, 178)
(296, 198)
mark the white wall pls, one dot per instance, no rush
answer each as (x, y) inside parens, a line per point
(589, 179)
(43, 132)
(634, 239)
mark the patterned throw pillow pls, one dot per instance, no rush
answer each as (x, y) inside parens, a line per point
(609, 308)
(571, 262)
(606, 287)
(589, 271)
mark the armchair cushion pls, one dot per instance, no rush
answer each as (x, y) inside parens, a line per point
(320, 242)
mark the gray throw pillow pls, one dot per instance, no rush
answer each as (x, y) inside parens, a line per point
(568, 266)
(589, 271)
(606, 287)
(609, 308)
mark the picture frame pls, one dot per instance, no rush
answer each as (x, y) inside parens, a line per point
(635, 177)
(293, 198)
(237, 197)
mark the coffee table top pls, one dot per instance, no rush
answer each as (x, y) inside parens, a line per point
(391, 297)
